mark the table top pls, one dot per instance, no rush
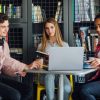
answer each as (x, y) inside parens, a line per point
(79, 72)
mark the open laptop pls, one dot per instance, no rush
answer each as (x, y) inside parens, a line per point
(66, 58)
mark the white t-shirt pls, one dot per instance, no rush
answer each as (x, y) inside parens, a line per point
(53, 45)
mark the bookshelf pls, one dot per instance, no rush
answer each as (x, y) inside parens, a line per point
(15, 9)
(84, 14)
(46, 9)
(83, 17)
(41, 10)
(17, 35)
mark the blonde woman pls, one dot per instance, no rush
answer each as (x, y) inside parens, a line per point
(52, 38)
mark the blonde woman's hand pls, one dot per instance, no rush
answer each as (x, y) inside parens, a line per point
(36, 64)
(40, 62)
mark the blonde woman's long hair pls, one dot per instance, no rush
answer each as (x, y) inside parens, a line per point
(45, 37)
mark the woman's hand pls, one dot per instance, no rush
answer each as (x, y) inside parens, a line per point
(37, 64)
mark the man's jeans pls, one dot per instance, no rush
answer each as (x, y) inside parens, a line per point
(13, 90)
(90, 90)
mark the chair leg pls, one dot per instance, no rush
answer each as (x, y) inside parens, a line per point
(71, 82)
(39, 89)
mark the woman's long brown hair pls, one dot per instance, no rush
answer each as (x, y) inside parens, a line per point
(45, 37)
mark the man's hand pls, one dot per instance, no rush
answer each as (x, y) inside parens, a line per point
(22, 73)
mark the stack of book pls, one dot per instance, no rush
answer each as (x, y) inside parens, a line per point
(86, 38)
(84, 10)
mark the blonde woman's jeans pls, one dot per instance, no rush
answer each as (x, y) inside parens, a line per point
(50, 81)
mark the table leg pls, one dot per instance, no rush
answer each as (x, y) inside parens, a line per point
(61, 87)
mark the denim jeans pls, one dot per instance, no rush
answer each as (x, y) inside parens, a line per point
(50, 81)
(90, 90)
(14, 90)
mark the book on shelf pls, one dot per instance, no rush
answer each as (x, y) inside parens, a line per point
(37, 39)
(77, 12)
(89, 43)
(77, 40)
(97, 7)
(83, 32)
(58, 11)
(92, 9)
(60, 16)
(86, 38)
(37, 13)
(94, 41)
(43, 56)
(84, 10)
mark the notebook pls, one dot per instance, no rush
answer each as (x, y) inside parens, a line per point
(87, 64)
(66, 58)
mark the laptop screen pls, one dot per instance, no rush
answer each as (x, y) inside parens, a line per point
(66, 58)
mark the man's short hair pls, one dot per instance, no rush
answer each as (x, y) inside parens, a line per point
(3, 17)
(97, 16)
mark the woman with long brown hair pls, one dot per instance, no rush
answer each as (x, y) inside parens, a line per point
(52, 37)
